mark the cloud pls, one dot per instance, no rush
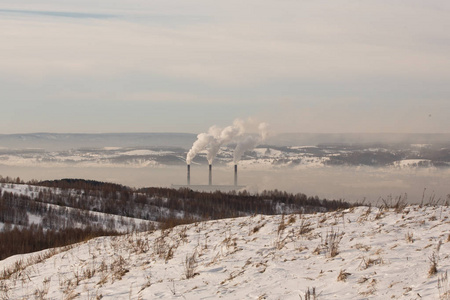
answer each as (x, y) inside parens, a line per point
(238, 49)
(63, 14)
(324, 56)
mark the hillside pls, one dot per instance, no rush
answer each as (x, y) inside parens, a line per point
(60, 212)
(358, 253)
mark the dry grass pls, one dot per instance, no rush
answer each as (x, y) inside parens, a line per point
(329, 245)
(282, 225)
(311, 294)
(256, 228)
(18, 268)
(291, 219)
(367, 263)
(409, 237)
(42, 292)
(190, 264)
(4, 290)
(332, 241)
(305, 227)
(433, 258)
(365, 215)
(281, 242)
(398, 204)
(118, 268)
(362, 247)
(147, 283)
(343, 275)
(444, 287)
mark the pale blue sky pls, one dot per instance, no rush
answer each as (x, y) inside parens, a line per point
(182, 66)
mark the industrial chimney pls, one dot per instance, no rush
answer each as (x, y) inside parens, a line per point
(210, 174)
(188, 174)
(235, 175)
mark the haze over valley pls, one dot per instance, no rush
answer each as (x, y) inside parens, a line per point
(345, 166)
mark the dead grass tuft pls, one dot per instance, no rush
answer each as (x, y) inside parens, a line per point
(362, 247)
(409, 237)
(365, 215)
(332, 241)
(433, 258)
(343, 275)
(305, 227)
(190, 264)
(282, 225)
(368, 262)
(291, 219)
(311, 294)
(398, 204)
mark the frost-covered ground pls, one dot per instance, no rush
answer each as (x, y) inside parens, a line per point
(381, 254)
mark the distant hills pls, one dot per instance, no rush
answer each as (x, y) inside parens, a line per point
(66, 141)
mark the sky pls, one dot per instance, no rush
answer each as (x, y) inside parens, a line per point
(182, 66)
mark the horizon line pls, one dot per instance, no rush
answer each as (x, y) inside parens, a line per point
(192, 133)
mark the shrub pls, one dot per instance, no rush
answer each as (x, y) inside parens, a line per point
(332, 241)
(190, 264)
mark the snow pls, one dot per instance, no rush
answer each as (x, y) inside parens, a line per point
(34, 219)
(145, 152)
(385, 253)
(302, 147)
(121, 224)
(408, 163)
(272, 153)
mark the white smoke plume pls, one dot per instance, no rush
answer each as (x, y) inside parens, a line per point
(214, 139)
(264, 131)
(223, 137)
(250, 142)
(203, 140)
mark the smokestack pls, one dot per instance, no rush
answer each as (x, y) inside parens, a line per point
(210, 174)
(235, 175)
(188, 174)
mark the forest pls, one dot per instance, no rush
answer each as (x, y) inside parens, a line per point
(54, 213)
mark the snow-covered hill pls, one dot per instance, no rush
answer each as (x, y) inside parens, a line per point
(52, 216)
(361, 253)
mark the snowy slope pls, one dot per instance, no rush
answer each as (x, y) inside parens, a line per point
(382, 254)
(106, 221)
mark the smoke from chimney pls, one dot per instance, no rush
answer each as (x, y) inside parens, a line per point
(217, 137)
(222, 137)
(203, 140)
(250, 142)
(214, 139)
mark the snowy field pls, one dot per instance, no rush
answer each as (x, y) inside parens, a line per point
(361, 253)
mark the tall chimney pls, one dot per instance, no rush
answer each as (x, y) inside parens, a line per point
(188, 174)
(210, 174)
(235, 175)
